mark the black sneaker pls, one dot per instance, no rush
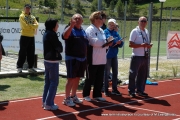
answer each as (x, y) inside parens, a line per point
(143, 94)
(116, 92)
(132, 95)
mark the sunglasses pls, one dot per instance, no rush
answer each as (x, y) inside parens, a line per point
(100, 17)
(143, 21)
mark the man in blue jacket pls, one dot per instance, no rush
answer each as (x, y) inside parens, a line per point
(112, 59)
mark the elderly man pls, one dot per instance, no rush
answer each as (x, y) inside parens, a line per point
(76, 43)
(140, 43)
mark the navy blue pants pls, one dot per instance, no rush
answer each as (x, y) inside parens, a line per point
(51, 82)
(137, 74)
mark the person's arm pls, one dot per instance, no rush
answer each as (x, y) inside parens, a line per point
(35, 24)
(132, 44)
(24, 24)
(93, 38)
(67, 31)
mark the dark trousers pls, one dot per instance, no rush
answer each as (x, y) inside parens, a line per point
(137, 73)
(27, 49)
(95, 75)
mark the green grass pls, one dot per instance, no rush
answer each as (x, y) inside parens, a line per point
(128, 50)
(19, 4)
(24, 87)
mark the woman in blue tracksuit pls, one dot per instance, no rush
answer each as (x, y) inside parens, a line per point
(112, 59)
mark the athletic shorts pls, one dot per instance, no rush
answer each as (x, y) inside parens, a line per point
(75, 68)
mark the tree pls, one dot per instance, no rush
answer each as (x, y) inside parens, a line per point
(131, 8)
(112, 6)
(79, 8)
(120, 8)
(67, 5)
(109, 1)
(111, 9)
(52, 4)
(46, 3)
(94, 5)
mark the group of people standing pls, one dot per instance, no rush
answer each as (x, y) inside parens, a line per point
(93, 51)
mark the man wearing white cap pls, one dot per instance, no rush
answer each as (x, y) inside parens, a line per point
(112, 59)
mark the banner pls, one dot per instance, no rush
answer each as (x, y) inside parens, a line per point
(173, 45)
(11, 34)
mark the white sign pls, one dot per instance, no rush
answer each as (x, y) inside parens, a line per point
(11, 34)
(173, 45)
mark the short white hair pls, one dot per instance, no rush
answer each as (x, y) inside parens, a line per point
(142, 18)
(77, 14)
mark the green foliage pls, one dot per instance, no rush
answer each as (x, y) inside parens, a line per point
(156, 75)
(94, 5)
(109, 1)
(46, 3)
(67, 6)
(111, 6)
(120, 8)
(79, 8)
(175, 70)
(155, 10)
(52, 4)
(132, 8)
(41, 3)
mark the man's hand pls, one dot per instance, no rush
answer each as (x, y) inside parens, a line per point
(72, 22)
(146, 45)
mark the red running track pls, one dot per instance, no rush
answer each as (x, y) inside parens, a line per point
(163, 103)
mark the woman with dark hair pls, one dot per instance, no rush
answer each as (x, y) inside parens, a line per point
(52, 49)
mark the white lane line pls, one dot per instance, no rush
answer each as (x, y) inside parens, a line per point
(176, 119)
(112, 105)
(156, 112)
(21, 100)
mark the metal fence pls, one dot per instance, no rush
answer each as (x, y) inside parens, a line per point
(167, 67)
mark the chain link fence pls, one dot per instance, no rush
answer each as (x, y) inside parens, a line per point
(167, 67)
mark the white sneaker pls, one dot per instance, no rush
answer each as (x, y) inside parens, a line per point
(53, 107)
(68, 101)
(87, 98)
(45, 105)
(19, 70)
(76, 99)
(100, 99)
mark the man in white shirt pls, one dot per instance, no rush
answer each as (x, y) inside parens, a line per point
(140, 43)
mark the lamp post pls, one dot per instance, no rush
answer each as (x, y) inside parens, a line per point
(162, 1)
(99, 5)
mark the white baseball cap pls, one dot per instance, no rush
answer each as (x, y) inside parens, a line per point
(112, 20)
